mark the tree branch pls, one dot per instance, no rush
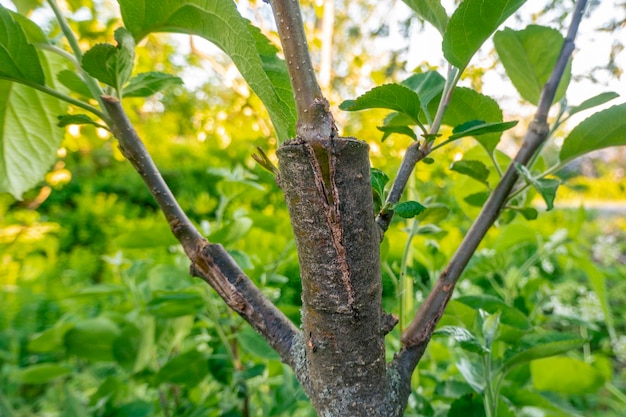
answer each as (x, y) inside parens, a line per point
(419, 332)
(209, 262)
(315, 122)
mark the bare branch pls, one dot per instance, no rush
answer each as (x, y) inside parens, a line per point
(208, 261)
(315, 122)
(419, 332)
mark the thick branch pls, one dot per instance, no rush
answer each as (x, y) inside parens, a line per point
(419, 332)
(315, 122)
(208, 261)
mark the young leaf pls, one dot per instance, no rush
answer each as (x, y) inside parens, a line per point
(41, 373)
(74, 83)
(219, 22)
(18, 58)
(477, 199)
(467, 104)
(149, 83)
(603, 129)
(474, 169)
(431, 11)
(76, 119)
(408, 209)
(538, 346)
(463, 337)
(528, 57)
(471, 24)
(478, 127)
(389, 96)
(110, 64)
(401, 130)
(546, 187)
(379, 180)
(592, 102)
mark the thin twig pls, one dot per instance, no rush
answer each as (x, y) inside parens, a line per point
(421, 328)
(209, 261)
(417, 152)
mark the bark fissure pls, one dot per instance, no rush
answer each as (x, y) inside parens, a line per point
(323, 160)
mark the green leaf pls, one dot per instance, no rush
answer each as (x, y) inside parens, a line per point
(76, 119)
(110, 64)
(471, 24)
(469, 405)
(478, 127)
(463, 337)
(149, 83)
(592, 102)
(256, 345)
(389, 96)
(565, 375)
(473, 169)
(490, 327)
(539, 346)
(92, 339)
(434, 213)
(427, 85)
(175, 304)
(477, 199)
(136, 409)
(601, 130)
(41, 373)
(219, 22)
(27, 150)
(19, 60)
(50, 340)
(529, 56)
(33, 33)
(513, 323)
(74, 83)
(431, 11)
(546, 187)
(408, 209)
(379, 180)
(188, 369)
(529, 213)
(401, 130)
(467, 104)
(133, 347)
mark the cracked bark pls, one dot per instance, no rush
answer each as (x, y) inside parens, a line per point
(332, 215)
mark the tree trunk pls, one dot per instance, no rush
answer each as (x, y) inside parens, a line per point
(329, 196)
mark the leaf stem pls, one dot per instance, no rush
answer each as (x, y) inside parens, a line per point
(92, 84)
(61, 96)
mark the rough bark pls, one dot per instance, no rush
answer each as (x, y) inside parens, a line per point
(329, 196)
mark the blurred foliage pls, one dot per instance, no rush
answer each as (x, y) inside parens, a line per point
(100, 318)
